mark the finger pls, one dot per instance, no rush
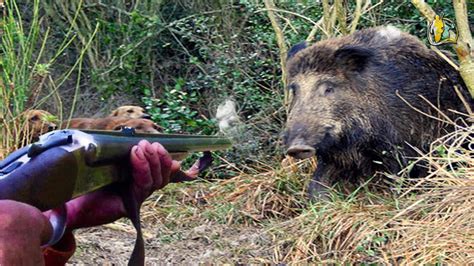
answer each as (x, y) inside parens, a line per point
(181, 176)
(166, 163)
(175, 166)
(193, 171)
(154, 160)
(141, 168)
(200, 165)
(177, 175)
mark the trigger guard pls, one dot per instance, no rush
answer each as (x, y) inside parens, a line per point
(58, 220)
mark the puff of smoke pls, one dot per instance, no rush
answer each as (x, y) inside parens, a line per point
(232, 127)
(227, 117)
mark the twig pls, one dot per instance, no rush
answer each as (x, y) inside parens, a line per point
(72, 21)
(341, 16)
(281, 43)
(358, 14)
(437, 109)
(466, 105)
(434, 48)
(327, 18)
(273, 9)
(315, 28)
(417, 109)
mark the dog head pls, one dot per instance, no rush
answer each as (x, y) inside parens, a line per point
(38, 122)
(130, 111)
(140, 125)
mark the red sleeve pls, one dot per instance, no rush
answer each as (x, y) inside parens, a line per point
(60, 253)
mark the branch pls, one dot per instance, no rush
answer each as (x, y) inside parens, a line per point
(341, 15)
(317, 26)
(358, 13)
(281, 44)
(327, 18)
(425, 9)
(465, 45)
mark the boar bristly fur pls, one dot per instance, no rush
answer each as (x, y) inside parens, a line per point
(357, 103)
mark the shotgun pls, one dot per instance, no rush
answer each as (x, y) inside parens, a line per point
(65, 164)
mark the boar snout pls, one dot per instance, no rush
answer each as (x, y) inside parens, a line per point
(301, 151)
(296, 140)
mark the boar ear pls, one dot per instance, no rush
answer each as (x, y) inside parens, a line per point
(353, 58)
(295, 49)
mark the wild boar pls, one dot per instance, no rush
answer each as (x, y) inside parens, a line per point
(360, 101)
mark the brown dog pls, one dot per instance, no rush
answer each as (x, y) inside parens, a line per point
(36, 123)
(114, 123)
(130, 111)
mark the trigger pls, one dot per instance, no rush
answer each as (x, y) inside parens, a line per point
(58, 220)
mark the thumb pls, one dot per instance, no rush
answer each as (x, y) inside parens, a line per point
(45, 228)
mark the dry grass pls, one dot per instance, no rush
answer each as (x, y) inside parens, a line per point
(430, 220)
(424, 221)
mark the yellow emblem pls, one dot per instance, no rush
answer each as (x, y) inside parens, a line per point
(442, 31)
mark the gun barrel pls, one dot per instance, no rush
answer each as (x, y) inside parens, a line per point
(110, 145)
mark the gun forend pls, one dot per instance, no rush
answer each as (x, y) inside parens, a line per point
(65, 164)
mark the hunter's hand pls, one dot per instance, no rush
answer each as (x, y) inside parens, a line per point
(152, 169)
(23, 229)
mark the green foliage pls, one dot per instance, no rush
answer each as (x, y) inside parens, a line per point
(172, 112)
(127, 71)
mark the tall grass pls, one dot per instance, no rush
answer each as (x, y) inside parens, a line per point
(26, 58)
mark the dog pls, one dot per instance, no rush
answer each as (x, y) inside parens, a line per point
(37, 122)
(130, 111)
(114, 123)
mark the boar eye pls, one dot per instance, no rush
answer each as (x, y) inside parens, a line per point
(328, 90)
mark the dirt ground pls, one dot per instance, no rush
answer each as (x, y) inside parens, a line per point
(113, 244)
